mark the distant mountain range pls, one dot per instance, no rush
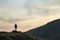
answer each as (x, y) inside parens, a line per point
(50, 31)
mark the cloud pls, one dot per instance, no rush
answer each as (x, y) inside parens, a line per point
(12, 11)
(12, 14)
(47, 9)
(11, 2)
(18, 13)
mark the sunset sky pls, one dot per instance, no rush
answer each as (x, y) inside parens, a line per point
(28, 14)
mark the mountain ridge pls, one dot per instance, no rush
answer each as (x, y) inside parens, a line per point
(48, 30)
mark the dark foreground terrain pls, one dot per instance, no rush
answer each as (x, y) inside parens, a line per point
(50, 31)
(15, 35)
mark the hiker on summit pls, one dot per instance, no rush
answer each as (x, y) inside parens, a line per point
(15, 26)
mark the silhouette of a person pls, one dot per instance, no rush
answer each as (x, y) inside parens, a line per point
(15, 26)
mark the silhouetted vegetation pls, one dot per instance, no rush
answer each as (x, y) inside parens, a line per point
(15, 35)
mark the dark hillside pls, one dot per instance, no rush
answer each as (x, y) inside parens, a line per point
(15, 35)
(50, 31)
